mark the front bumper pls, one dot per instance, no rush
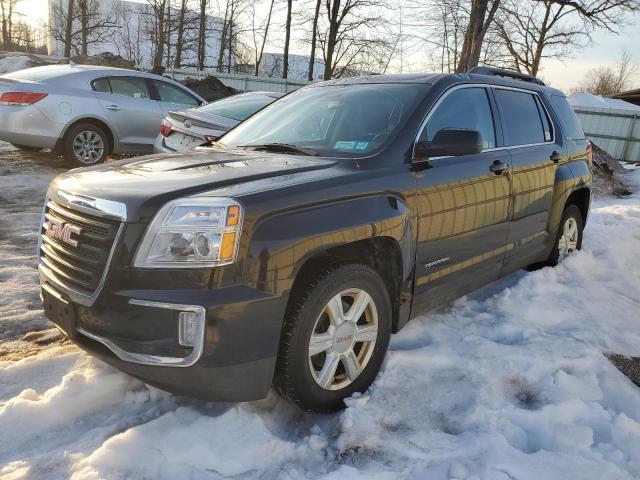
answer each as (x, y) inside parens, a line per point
(233, 358)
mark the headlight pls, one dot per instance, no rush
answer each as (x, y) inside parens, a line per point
(191, 233)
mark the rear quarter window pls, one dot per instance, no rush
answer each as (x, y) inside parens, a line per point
(568, 119)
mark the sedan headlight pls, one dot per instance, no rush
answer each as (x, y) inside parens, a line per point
(191, 233)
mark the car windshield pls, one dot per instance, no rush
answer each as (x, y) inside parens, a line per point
(238, 107)
(335, 120)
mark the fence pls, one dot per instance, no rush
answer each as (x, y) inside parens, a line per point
(239, 81)
(615, 131)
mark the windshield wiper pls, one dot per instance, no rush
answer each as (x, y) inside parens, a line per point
(282, 147)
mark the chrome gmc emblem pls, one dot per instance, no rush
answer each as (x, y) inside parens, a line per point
(62, 231)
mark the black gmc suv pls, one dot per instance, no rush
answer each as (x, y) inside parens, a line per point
(287, 253)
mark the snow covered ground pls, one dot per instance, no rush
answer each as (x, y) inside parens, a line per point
(508, 383)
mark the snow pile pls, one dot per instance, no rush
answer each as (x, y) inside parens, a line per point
(581, 99)
(508, 383)
(14, 63)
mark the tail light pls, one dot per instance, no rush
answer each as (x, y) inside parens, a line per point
(165, 128)
(21, 98)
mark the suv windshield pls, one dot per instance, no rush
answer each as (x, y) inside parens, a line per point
(336, 120)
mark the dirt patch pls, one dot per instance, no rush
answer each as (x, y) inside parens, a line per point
(32, 343)
(630, 366)
(210, 88)
(608, 175)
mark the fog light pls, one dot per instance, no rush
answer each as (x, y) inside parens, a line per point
(187, 329)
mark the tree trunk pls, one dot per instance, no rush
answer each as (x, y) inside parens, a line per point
(287, 38)
(178, 60)
(479, 22)
(202, 35)
(223, 39)
(84, 23)
(312, 56)
(68, 30)
(160, 38)
(264, 39)
(331, 40)
(230, 41)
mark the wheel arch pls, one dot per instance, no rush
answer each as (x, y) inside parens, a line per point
(290, 247)
(98, 122)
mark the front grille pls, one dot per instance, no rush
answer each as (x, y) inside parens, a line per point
(75, 247)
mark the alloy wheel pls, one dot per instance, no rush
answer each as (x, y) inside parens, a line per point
(569, 240)
(343, 339)
(88, 147)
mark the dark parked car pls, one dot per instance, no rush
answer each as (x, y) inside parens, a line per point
(287, 254)
(186, 129)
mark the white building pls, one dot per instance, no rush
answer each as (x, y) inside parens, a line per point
(130, 29)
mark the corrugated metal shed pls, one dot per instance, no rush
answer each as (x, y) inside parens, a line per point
(613, 125)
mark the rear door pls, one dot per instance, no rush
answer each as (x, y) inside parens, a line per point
(129, 105)
(464, 205)
(172, 97)
(535, 150)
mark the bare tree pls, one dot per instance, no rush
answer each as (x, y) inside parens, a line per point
(7, 13)
(180, 37)
(536, 29)
(129, 36)
(350, 41)
(260, 34)
(81, 24)
(608, 81)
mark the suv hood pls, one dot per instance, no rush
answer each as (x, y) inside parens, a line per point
(144, 184)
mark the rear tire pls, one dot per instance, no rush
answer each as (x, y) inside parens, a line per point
(86, 144)
(569, 237)
(334, 339)
(27, 148)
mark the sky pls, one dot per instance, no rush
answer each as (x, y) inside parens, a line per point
(605, 49)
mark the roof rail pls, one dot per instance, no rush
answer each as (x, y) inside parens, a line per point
(501, 72)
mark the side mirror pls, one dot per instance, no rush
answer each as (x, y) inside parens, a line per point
(450, 142)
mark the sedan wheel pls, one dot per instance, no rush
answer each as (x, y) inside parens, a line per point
(88, 147)
(86, 144)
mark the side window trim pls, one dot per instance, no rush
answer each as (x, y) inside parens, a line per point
(445, 94)
(538, 101)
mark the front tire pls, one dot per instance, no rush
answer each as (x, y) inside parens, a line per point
(86, 144)
(569, 237)
(334, 339)
(27, 148)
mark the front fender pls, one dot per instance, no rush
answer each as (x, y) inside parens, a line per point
(283, 242)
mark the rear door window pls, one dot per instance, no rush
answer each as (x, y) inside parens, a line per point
(521, 120)
(467, 108)
(101, 85)
(568, 118)
(173, 94)
(133, 87)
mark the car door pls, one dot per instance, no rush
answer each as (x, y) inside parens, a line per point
(128, 103)
(535, 151)
(172, 97)
(464, 202)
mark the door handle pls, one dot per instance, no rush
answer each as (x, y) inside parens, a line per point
(555, 156)
(113, 108)
(498, 167)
